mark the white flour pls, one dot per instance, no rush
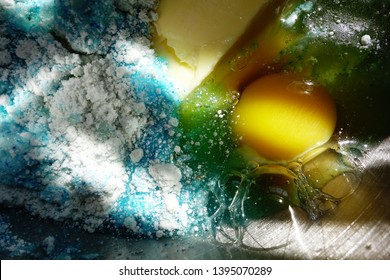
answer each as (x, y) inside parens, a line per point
(89, 120)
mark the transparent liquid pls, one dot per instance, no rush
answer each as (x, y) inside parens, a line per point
(316, 183)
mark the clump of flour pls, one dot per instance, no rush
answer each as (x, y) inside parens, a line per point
(89, 118)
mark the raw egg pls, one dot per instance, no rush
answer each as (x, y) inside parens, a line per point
(282, 116)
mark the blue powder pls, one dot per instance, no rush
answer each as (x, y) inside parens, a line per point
(45, 115)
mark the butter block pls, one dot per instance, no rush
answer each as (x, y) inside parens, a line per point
(194, 34)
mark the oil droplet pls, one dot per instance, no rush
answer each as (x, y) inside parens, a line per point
(233, 96)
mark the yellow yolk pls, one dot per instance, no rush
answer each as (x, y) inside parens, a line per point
(282, 116)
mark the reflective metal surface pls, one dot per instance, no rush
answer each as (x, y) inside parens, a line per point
(358, 229)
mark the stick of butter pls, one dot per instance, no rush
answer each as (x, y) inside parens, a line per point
(194, 34)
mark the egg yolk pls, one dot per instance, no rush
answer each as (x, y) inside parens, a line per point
(282, 116)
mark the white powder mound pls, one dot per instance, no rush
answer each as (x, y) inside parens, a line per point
(91, 124)
(136, 155)
(168, 177)
(172, 214)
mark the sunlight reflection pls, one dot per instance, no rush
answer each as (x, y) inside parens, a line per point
(298, 234)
